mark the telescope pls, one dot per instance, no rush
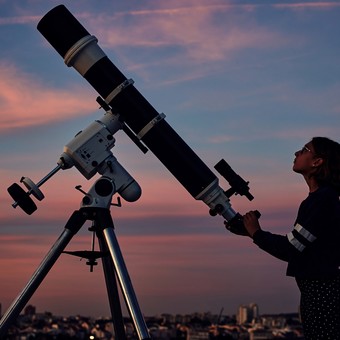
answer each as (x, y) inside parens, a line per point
(90, 152)
(128, 110)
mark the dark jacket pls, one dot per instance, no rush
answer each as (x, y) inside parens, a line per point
(312, 248)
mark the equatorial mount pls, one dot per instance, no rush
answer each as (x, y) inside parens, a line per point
(90, 152)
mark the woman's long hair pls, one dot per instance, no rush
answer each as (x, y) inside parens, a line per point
(329, 172)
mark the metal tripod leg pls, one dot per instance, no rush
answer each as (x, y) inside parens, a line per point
(104, 220)
(72, 227)
(112, 291)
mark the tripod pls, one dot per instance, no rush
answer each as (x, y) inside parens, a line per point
(95, 207)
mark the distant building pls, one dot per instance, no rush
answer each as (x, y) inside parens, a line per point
(247, 313)
(30, 310)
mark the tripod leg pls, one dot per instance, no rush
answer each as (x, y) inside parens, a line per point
(112, 290)
(71, 228)
(104, 221)
(125, 283)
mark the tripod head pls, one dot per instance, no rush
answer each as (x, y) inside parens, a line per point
(90, 152)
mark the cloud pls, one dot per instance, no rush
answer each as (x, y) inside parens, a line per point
(22, 20)
(202, 33)
(327, 5)
(26, 101)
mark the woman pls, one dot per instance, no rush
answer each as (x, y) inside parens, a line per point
(312, 248)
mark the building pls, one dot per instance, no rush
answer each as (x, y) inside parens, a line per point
(247, 313)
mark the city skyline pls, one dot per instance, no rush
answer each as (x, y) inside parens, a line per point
(248, 82)
(245, 313)
(165, 326)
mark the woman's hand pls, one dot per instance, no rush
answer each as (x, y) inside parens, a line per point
(251, 223)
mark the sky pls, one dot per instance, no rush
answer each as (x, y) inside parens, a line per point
(246, 81)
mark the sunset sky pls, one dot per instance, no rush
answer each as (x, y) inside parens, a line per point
(249, 81)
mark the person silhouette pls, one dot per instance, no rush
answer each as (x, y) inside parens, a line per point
(312, 247)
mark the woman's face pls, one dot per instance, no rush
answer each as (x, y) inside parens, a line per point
(304, 162)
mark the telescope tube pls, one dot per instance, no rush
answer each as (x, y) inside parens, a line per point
(80, 50)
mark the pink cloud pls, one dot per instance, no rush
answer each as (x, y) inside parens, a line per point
(194, 29)
(26, 100)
